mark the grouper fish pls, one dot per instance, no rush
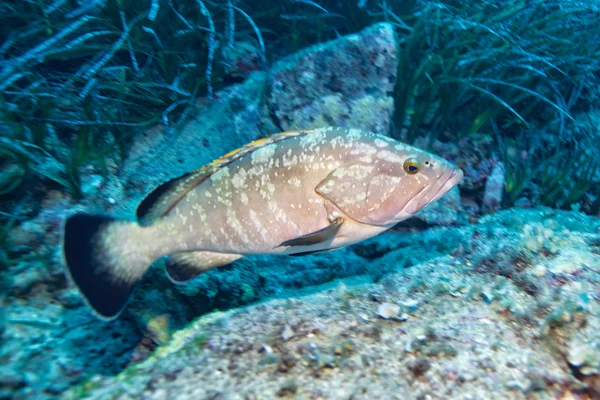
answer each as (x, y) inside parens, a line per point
(293, 193)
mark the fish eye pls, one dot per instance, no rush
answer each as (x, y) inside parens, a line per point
(412, 166)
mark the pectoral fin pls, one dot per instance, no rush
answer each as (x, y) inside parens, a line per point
(321, 236)
(307, 253)
(181, 267)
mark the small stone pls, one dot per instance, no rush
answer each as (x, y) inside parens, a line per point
(523, 202)
(287, 361)
(418, 366)
(30, 277)
(408, 347)
(373, 331)
(388, 310)
(57, 388)
(158, 328)
(269, 359)
(213, 395)
(459, 292)
(92, 184)
(441, 349)
(494, 187)
(70, 299)
(521, 385)
(585, 357)
(267, 349)
(287, 333)
(240, 59)
(487, 294)
(326, 361)
(345, 348)
(288, 388)
(540, 270)
(410, 305)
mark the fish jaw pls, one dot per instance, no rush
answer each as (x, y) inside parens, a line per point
(443, 185)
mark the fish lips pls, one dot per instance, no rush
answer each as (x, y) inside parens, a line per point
(447, 181)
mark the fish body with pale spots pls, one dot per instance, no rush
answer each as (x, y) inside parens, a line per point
(293, 193)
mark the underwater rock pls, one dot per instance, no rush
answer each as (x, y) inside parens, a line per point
(241, 58)
(246, 280)
(446, 211)
(42, 232)
(418, 366)
(494, 187)
(585, 357)
(92, 184)
(348, 82)
(287, 333)
(45, 348)
(388, 310)
(230, 121)
(473, 154)
(450, 344)
(24, 279)
(523, 202)
(458, 341)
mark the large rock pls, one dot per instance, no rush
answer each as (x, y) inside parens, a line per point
(347, 82)
(49, 344)
(445, 211)
(507, 308)
(230, 121)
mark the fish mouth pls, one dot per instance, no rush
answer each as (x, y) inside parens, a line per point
(439, 188)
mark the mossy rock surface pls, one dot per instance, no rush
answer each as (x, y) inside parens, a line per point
(470, 327)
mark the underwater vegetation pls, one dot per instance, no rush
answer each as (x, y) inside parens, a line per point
(79, 79)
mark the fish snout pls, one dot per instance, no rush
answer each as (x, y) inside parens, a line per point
(450, 178)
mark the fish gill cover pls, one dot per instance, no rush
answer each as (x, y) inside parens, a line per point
(103, 100)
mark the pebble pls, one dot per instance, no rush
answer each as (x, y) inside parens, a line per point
(388, 310)
(287, 333)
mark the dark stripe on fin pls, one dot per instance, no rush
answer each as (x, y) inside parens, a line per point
(162, 199)
(321, 236)
(181, 267)
(307, 253)
(89, 266)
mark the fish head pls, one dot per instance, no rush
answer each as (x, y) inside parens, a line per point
(388, 183)
(406, 183)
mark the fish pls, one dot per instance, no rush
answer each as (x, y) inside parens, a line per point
(293, 193)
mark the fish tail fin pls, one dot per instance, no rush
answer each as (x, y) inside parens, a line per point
(104, 259)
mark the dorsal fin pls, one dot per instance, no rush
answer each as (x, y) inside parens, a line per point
(163, 198)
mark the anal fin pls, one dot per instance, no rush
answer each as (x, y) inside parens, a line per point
(183, 266)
